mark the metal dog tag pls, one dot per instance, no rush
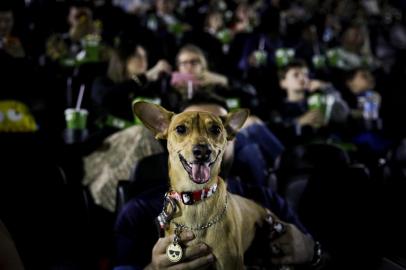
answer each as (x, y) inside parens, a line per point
(174, 252)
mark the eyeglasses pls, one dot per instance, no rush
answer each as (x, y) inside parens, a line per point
(192, 62)
(174, 252)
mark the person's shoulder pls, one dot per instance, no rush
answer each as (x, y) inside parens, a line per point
(144, 205)
(101, 82)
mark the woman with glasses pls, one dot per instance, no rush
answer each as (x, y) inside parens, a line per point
(193, 68)
(194, 75)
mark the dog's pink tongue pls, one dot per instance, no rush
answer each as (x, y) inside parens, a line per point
(200, 173)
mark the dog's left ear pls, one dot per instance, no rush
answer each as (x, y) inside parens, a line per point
(234, 121)
(154, 117)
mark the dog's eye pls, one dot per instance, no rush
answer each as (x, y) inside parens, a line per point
(181, 129)
(215, 129)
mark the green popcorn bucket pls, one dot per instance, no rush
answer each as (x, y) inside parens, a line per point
(261, 57)
(224, 36)
(233, 103)
(319, 61)
(283, 56)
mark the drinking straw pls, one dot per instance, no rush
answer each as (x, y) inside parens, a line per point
(189, 89)
(80, 97)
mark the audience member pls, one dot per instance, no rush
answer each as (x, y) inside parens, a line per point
(132, 220)
(193, 75)
(213, 38)
(310, 104)
(366, 123)
(361, 83)
(9, 43)
(48, 49)
(128, 77)
(81, 43)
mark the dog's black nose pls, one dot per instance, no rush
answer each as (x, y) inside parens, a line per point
(201, 152)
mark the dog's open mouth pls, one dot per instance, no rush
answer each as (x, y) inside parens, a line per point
(199, 172)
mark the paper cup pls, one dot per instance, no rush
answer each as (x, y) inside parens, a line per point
(76, 119)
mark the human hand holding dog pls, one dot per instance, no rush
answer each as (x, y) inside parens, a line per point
(196, 256)
(289, 245)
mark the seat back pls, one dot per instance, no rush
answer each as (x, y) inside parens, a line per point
(148, 173)
(294, 167)
(394, 170)
(339, 208)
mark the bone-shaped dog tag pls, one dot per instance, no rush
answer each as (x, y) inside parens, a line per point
(174, 252)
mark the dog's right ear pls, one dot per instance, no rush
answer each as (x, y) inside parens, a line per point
(154, 117)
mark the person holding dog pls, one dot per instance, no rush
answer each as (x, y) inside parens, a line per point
(291, 244)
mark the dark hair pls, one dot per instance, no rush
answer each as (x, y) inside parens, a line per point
(205, 97)
(124, 47)
(80, 3)
(190, 48)
(295, 63)
(125, 44)
(350, 74)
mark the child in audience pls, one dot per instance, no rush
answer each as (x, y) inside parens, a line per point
(309, 103)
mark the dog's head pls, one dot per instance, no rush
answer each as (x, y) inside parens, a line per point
(196, 141)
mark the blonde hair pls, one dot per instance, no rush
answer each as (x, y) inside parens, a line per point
(190, 48)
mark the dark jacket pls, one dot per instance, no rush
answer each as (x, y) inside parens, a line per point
(136, 232)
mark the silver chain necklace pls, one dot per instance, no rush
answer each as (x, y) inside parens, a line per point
(205, 226)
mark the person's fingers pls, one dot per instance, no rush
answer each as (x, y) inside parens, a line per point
(319, 114)
(186, 236)
(315, 117)
(164, 242)
(159, 250)
(276, 250)
(280, 249)
(313, 114)
(271, 217)
(282, 260)
(277, 227)
(164, 63)
(307, 117)
(196, 251)
(162, 261)
(199, 263)
(277, 230)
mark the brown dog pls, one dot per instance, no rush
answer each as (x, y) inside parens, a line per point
(196, 142)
